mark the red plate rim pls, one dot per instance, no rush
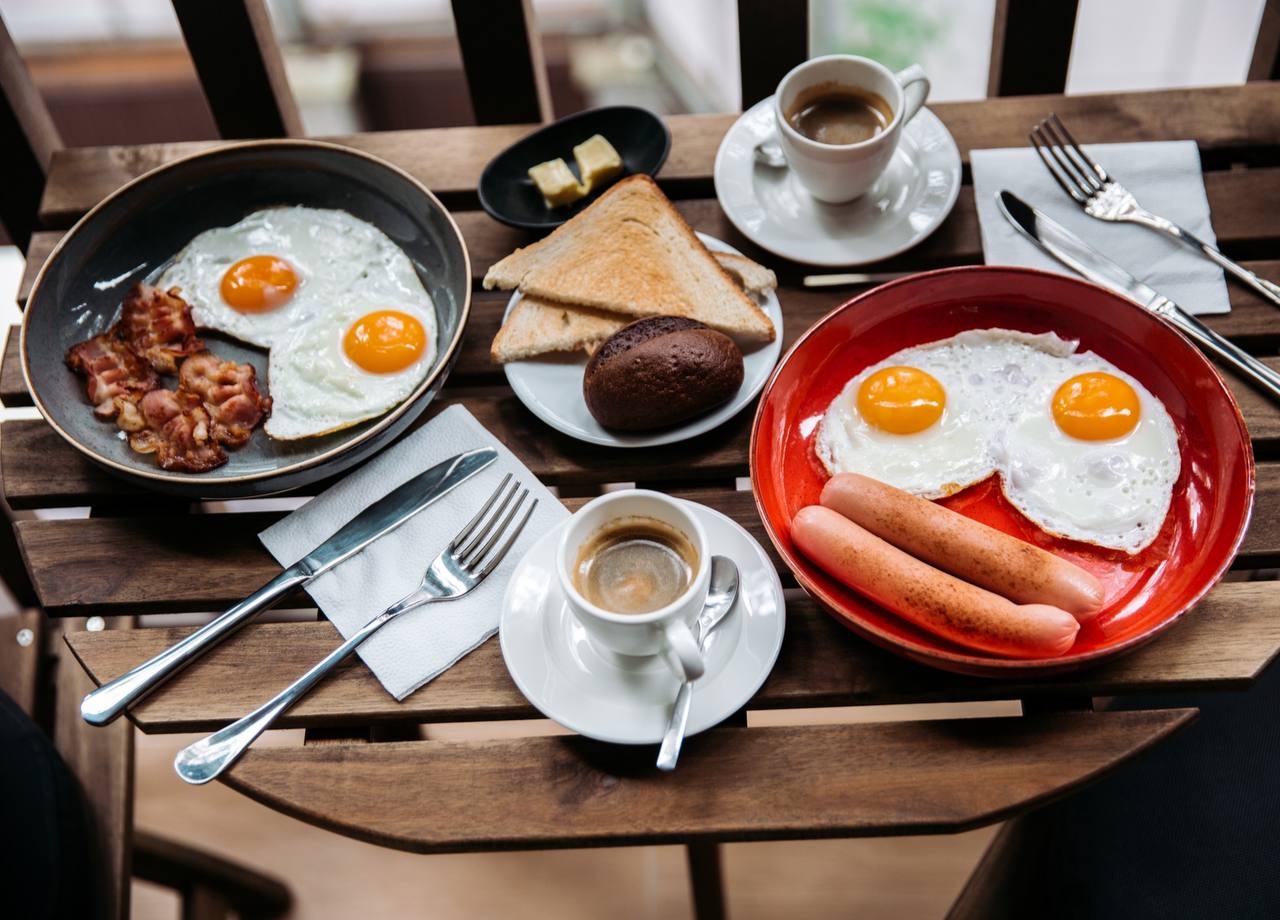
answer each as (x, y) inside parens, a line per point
(977, 664)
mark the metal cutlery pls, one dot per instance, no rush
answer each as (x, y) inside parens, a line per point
(1082, 258)
(721, 594)
(104, 704)
(1101, 196)
(468, 559)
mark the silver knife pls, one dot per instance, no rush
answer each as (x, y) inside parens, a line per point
(102, 705)
(1083, 259)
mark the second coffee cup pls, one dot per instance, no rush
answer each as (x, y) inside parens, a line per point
(634, 568)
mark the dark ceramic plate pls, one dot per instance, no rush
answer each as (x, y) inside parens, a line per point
(509, 195)
(133, 233)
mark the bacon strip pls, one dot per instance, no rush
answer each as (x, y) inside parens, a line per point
(114, 373)
(159, 326)
(178, 431)
(230, 394)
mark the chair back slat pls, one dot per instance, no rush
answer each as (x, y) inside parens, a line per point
(1031, 47)
(773, 37)
(29, 141)
(240, 67)
(502, 57)
(1265, 63)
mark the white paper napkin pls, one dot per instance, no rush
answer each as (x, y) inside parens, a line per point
(1166, 179)
(418, 645)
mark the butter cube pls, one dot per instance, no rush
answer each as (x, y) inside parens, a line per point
(598, 162)
(556, 182)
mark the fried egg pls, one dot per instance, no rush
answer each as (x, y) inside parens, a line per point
(1092, 456)
(1083, 450)
(281, 268)
(354, 365)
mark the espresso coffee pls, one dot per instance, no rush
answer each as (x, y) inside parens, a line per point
(635, 565)
(832, 113)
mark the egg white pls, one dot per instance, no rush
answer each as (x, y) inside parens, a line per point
(998, 418)
(333, 253)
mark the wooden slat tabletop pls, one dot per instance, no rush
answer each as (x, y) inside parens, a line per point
(151, 556)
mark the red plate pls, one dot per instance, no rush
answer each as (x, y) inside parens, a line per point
(1212, 499)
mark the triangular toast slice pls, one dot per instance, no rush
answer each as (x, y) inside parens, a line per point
(536, 326)
(631, 252)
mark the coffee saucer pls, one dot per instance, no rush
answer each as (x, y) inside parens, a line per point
(772, 209)
(626, 700)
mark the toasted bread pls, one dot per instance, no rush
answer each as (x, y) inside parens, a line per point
(537, 326)
(631, 252)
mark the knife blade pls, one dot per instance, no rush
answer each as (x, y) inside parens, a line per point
(1084, 260)
(104, 704)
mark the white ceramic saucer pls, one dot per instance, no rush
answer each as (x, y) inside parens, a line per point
(551, 386)
(616, 698)
(772, 209)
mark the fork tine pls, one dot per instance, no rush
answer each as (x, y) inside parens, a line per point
(487, 528)
(471, 525)
(511, 540)
(1083, 174)
(496, 534)
(1093, 164)
(1064, 181)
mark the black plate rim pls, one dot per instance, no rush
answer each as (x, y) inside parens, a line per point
(552, 222)
(184, 481)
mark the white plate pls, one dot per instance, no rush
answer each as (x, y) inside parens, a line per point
(771, 208)
(625, 700)
(551, 386)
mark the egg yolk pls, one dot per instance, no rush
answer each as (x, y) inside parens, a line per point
(385, 342)
(1096, 407)
(258, 284)
(901, 400)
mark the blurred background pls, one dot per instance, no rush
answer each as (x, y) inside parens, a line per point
(116, 71)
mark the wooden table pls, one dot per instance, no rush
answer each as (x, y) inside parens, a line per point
(140, 553)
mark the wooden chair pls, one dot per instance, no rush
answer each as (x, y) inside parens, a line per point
(241, 71)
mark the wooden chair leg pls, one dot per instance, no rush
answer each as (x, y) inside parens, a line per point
(705, 880)
(989, 893)
(212, 888)
(101, 760)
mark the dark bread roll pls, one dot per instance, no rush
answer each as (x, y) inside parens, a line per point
(659, 371)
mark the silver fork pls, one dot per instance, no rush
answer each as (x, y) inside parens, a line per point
(1101, 196)
(462, 565)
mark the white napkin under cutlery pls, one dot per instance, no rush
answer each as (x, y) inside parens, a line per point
(1166, 179)
(414, 648)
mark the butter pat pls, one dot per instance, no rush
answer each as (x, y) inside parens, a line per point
(598, 162)
(556, 182)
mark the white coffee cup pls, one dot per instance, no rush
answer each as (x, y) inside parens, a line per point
(836, 173)
(666, 631)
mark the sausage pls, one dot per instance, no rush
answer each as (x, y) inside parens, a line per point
(931, 599)
(964, 547)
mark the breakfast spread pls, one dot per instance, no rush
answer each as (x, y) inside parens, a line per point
(631, 253)
(597, 161)
(659, 371)
(349, 328)
(216, 405)
(1082, 449)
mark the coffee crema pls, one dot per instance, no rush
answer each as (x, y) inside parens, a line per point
(634, 564)
(838, 114)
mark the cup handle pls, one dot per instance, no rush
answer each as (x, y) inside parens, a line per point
(915, 90)
(681, 651)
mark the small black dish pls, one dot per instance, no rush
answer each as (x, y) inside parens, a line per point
(509, 195)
